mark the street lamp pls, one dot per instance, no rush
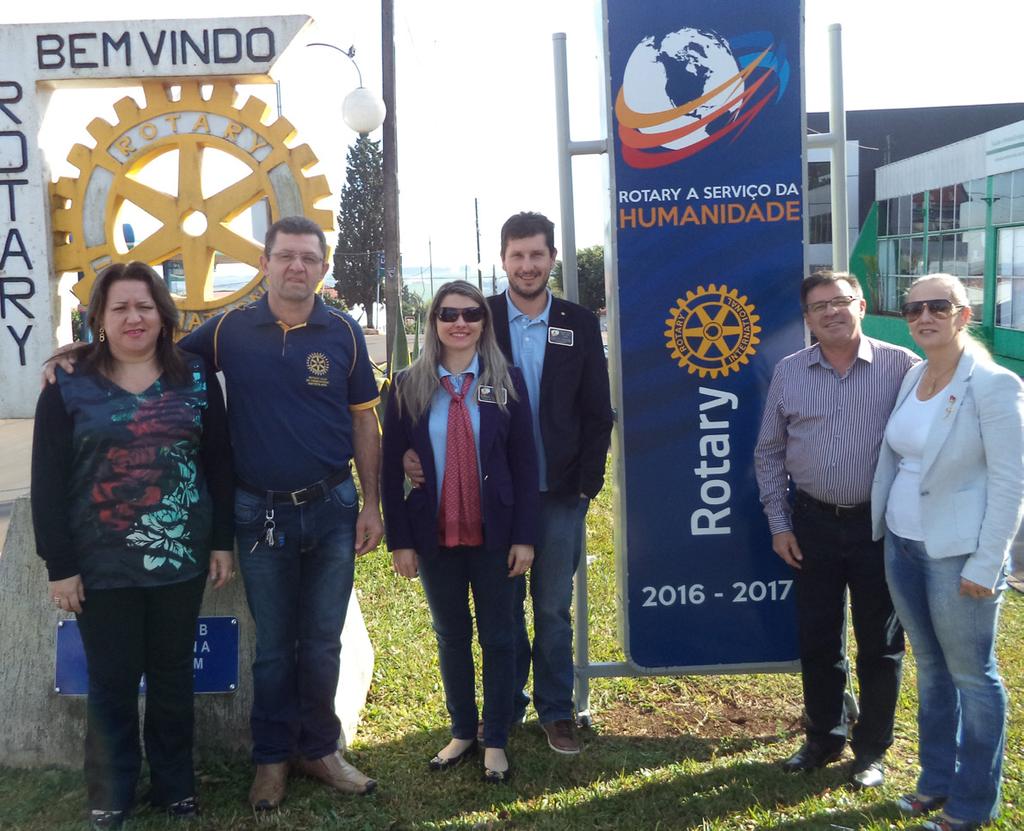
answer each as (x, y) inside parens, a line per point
(362, 110)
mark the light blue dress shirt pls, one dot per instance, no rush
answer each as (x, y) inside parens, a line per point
(438, 419)
(529, 340)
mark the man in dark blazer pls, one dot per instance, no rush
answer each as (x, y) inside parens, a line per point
(557, 346)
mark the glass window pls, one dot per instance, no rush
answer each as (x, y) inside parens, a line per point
(903, 227)
(1002, 194)
(883, 217)
(916, 256)
(935, 254)
(974, 242)
(1017, 201)
(950, 204)
(935, 209)
(1010, 278)
(917, 217)
(887, 257)
(971, 212)
(819, 202)
(975, 293)
(894, 213)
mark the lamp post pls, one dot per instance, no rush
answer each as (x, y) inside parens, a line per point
(362, 110)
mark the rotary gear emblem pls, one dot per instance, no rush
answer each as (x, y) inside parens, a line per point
(317, 363)
(86, 208)
(712, 331)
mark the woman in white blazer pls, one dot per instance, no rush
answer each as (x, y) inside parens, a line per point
(948, 495)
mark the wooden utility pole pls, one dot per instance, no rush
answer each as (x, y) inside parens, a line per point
(392, 247)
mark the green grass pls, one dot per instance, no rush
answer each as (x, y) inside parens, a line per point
(664, 753)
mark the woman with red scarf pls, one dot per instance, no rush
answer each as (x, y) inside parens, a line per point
(471, 527)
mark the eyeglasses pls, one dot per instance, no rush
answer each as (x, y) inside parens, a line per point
(470, 314)
(939, 309)
(836, 303)
(307, 261)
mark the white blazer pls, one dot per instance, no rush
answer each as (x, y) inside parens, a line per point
(972, 471)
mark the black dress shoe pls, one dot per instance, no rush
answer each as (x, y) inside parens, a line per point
(867, 772)
(810, 756)
(441, 763)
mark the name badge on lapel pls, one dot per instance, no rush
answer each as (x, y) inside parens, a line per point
(560, 337)
(490, 395)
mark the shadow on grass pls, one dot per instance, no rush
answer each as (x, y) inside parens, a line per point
(617, 782)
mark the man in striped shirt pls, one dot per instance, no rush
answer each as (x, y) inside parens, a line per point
(823, 420)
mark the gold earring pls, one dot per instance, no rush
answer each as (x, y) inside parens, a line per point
(103, 334)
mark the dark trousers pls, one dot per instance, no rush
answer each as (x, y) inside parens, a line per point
(128, 632)
(447, 577)
(839, 555)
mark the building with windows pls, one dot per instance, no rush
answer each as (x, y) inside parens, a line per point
(957, 209)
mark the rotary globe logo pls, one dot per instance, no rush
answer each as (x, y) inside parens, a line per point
(683, 91)
(712, 331)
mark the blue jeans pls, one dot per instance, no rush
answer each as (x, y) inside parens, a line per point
(447, 577)
(298, 594)
(961, 698)
(556, 558)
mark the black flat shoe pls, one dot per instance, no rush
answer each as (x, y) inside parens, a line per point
(439, 763)
(106, 819)
(184, 809)
(498, 777)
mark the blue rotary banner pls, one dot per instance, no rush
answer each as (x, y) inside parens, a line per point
(708, 223)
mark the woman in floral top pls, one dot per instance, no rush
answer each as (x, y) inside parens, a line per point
(132, 502)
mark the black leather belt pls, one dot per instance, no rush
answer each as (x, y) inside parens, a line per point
(318, 490)
(841, 511)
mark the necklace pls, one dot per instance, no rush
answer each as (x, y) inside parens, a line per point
(932, 383)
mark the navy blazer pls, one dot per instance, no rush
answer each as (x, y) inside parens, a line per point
(575, 402)
(508, 460)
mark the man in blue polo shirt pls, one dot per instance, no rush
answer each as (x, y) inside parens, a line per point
(301, 394)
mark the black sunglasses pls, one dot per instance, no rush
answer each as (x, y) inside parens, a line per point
(470, 314)
(939, 309)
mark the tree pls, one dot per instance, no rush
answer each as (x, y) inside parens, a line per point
(590, 271)
(360, 227)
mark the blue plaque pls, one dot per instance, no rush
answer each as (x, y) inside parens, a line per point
(215, 658)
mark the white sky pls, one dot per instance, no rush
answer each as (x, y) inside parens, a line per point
(476, 97)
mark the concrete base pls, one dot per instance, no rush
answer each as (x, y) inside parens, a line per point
(42, 728)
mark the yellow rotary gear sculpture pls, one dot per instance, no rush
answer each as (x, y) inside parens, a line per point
(86, 208)
(712, 331)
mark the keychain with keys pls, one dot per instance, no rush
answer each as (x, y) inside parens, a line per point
(269, 536)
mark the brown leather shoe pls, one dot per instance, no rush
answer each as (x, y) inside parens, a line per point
(333, 770)
(267, 791)
(562, 736)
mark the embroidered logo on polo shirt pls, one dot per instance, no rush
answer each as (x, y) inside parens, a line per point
(318, 365)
